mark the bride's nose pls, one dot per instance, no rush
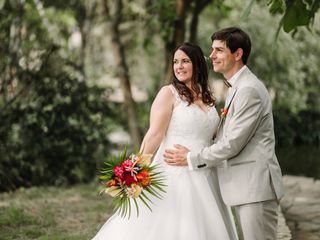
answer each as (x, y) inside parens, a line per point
(180, 65)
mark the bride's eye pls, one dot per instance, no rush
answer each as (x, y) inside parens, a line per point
(182, 61)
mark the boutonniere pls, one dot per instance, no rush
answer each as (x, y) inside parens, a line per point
(224, 112)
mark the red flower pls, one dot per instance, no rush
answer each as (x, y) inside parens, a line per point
(144, 178)
(224, 112)
(112, 182)
(128, 179)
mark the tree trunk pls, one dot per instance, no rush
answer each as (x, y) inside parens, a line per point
(84, 24)
(178, 37)
(86, 13)
(200, 5)
(123, 71)
(8, 88)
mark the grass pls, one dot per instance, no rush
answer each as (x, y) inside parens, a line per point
(50, 213)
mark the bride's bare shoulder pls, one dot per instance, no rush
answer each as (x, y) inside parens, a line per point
(167, 91)
(165, 95)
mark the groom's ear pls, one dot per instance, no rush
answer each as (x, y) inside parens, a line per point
(238, 54)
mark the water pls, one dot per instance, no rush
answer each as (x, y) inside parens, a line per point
(300, 160)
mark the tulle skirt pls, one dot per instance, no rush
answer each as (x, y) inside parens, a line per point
(191, 209)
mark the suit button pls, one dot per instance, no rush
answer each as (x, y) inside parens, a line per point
(202, 165)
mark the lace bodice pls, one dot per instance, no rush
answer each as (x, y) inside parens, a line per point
(189, 126)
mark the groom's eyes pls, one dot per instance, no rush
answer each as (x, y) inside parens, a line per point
(217, 50)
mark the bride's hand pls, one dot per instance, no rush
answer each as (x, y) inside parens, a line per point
(177, 156)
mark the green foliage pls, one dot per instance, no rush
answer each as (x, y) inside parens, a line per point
(53, 124)
(297, 129)
(164, 10)
(295, 13)
(276, 6)
(55, 134)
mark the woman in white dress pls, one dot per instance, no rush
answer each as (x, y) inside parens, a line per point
(191, 208)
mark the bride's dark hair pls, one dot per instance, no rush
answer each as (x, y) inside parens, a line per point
(199, 82)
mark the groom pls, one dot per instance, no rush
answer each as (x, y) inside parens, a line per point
(243, 152)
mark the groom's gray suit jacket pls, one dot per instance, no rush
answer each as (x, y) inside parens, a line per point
(244, 150)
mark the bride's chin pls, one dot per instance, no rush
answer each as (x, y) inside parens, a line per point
(185, 81)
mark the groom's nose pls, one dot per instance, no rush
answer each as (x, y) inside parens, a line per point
(212, 55)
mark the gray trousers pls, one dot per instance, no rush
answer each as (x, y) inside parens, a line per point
(258, 221)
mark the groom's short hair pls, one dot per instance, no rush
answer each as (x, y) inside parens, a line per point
(235, 38)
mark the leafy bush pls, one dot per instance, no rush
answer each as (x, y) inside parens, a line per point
(54, 132)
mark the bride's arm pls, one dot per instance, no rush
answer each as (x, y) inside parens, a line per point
(160, 115)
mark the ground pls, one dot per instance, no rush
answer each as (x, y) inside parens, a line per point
(73, 213)
(49, 213)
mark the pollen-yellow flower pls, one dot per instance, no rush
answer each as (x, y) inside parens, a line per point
(113, 191)
(135, 190)
(145, 159)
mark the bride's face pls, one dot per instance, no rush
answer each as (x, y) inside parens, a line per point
(182, 67)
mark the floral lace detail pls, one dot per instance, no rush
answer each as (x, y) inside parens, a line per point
(176, 95)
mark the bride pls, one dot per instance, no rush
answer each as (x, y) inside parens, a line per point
(191, 208)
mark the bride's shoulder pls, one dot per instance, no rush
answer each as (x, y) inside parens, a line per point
(167, 91)
(166, 94)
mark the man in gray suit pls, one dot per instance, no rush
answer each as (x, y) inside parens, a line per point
(244, 149)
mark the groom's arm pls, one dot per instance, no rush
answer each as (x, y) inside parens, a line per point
(242, 125)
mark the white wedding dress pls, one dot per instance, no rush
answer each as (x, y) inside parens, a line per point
(191, 208)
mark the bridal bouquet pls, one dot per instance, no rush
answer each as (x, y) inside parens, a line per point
(128, 178)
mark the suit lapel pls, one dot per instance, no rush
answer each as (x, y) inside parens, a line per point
(226, 106)
(230, 97)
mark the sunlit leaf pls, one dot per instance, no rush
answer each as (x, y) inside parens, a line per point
(276, 6)
(295, 15)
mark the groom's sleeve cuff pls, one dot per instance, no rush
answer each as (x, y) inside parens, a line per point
(194, 162)
(189, 162)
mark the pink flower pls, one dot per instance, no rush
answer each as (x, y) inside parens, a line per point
(127, 165)
(118, 171)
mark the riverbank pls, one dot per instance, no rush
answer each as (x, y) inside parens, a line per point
(301, 207)
(284, 232)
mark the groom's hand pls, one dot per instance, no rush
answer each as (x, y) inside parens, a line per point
(177, 156)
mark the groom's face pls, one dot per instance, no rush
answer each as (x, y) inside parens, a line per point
(223, 61)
